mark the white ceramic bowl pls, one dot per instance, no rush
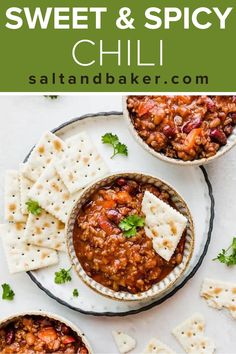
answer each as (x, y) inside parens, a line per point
(4, 322)
(157, 288)
(231, 142)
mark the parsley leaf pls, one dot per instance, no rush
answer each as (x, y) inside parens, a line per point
(110, 138)
(75, 293)
(121, 149)
(228, 256)
(33, 207)
(7, 292)
(130, 224)
(118, 147)
(62, 276)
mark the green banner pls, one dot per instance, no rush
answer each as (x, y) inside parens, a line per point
(117, 46)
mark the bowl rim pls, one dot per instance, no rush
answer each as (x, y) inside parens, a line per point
(231, 142)
(122, 295)
(51, 315)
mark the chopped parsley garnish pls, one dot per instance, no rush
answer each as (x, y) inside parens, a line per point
(228, 256)
(75, 293)
(7, 292)
(33, 207)
(130, 224)
(118, 147)
(62, 276)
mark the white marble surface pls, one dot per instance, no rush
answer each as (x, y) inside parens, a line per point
(22, 119)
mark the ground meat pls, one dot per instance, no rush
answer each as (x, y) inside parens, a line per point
(106, 255)
(41, 335)
(183, 127)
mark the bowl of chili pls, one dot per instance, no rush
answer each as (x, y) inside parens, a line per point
(120, 267)
(183, 130)
(41, 332)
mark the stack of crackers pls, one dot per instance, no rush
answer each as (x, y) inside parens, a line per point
(53, 177)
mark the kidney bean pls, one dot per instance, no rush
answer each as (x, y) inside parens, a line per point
(191, 124)
(58, 326)
(219, 136)
(10, 336)
(211, 105)
(107, 226)
(65, 329)
(228, 129)
(121, 182)
(131, 187)
(114, 216)
(233, 117)
(169, 131)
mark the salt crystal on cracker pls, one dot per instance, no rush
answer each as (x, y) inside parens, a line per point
(163, 224)
(81, 163)
(20, 255)
(48, 149)
(52, 195)
(25, 186)
(12, 197)
(46, 231)
(124, 342)
(191, 335)
(155, 346)
(220, 294)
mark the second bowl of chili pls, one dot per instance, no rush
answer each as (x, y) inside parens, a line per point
(124, 268)
(41, 332)
(184, 130)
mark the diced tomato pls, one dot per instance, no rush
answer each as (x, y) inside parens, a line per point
(68, 339)
(123, 197)
(47, 334)
(144, 107)
(191, 137)
(107, 204)
(105, 225)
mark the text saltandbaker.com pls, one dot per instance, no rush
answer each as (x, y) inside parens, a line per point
(112, 79)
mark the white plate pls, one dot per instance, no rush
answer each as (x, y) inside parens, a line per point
(191, 182)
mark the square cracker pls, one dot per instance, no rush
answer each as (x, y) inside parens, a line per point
(163, 224)
(12, 197)
(45, 230)
(20, 255)
(155, 346)
(25, 186)
(47, 150)
(219, 294)
(52, 195)
(191, 335)
(81, 164)
(124, 342)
